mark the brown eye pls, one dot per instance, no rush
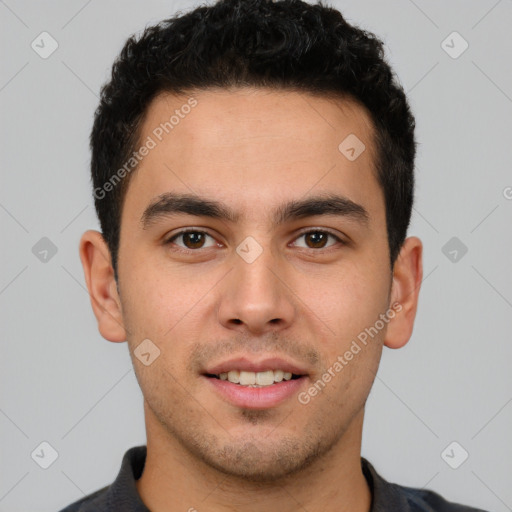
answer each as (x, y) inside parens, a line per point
(317, 239)
(191, 240)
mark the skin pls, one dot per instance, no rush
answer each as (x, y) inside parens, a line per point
(253, 150)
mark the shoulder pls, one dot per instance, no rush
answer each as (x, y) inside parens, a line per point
(95, 501)
(122, 493)
(422, 500)
(391, 496)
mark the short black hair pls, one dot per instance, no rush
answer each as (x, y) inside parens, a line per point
(288, 45)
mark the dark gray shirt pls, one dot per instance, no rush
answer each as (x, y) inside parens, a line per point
(122, 495)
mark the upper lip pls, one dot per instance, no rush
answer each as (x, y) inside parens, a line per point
(251, 365)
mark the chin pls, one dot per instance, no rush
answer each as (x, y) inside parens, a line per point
(264, 463)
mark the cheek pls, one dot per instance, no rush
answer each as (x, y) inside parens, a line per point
(355, 348)
(154, 310)
(169, 312)
(348, 302)
(336, 396)
(154, 303)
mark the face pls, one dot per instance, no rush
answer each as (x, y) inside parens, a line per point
(280, 272)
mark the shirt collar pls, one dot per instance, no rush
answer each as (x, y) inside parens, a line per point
(385, 496)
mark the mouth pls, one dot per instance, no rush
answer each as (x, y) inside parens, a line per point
(255, 379)
(251, 385)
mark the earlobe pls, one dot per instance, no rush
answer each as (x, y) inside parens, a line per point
(99, 277)
(407, 277)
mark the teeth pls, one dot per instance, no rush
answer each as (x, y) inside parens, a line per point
(255, 379)
(278, 375)
(234, 376)
(247, 378)
(264, 378)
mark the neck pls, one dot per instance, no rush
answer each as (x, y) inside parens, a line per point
(174, 480)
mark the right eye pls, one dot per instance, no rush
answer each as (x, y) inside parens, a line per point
(191, 239)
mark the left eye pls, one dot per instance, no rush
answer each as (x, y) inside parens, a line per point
(317, 239)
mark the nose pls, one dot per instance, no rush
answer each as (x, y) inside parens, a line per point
(255, 296)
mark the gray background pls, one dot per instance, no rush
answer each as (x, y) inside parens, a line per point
(62, 383)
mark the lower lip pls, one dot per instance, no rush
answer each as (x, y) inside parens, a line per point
(256, 398)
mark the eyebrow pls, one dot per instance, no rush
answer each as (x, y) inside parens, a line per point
(170, 204)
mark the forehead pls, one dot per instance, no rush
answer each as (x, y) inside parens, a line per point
(252, 147)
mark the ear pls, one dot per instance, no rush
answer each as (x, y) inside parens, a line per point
(102, 286)
(405, 289)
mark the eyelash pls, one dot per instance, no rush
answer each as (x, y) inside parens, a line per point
(192, 230)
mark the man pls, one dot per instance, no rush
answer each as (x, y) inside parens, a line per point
(252, 164)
